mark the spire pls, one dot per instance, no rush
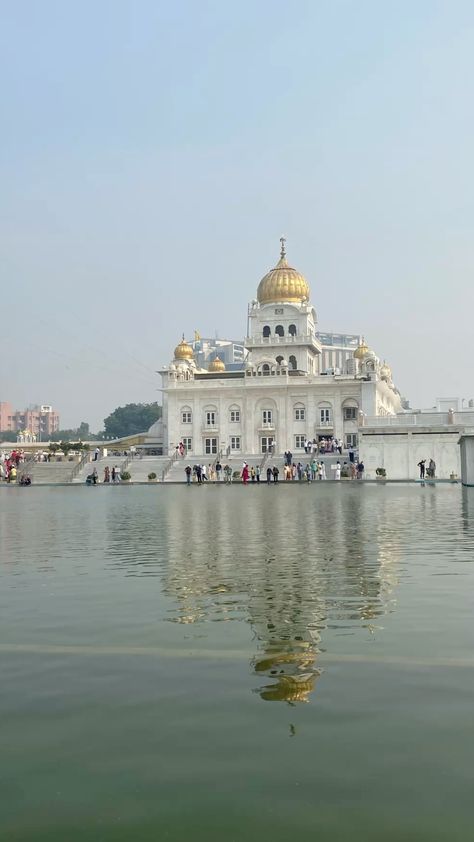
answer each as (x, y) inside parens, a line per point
(282, 250)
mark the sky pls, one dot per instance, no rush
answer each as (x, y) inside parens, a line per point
(152, 154)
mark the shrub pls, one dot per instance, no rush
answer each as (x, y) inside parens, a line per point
(151, 475)
(126, 476)
(381, 472)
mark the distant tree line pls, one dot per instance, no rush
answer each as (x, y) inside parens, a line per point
(123, 421)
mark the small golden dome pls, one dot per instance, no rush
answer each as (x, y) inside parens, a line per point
(362, 350)
(216, 365)
(283, 283)
(183, 351)
(386, 372)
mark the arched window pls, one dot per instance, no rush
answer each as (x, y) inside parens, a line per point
(234, 414)
(299, 411)
(292, 330)
(266, 330)
(279, 330)
(279, 359)
(292, 362)
(266, 370)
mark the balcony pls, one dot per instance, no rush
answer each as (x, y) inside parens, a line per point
(267, 427)
(324, 425)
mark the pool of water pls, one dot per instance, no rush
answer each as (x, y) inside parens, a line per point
(237, 663)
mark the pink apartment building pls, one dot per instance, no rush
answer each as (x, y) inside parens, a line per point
(41, 420)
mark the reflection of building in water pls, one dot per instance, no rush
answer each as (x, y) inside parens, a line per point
(326, 564)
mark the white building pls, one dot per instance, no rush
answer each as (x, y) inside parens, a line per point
(284, 394)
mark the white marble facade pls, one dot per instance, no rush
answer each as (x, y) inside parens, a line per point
(281, 396)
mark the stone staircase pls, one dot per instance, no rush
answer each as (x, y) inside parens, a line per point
(48, 473)
(176, 472)
(138, 468)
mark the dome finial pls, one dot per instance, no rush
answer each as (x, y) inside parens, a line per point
(282, 250)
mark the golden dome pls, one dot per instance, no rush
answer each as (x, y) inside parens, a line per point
(283, 283)
(183, 351)
(362, 350)
(216, 365)
(386, 371)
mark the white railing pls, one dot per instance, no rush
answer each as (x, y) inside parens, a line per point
(274, 339)
(421, 419)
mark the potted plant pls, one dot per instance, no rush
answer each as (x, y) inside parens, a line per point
(380, 473)
(152, 476)
(126, 476)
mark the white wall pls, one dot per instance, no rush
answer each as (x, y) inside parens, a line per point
(399, 453)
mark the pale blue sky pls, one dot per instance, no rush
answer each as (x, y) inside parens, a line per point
(152, 154)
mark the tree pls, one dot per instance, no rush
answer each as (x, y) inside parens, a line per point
(130, 419)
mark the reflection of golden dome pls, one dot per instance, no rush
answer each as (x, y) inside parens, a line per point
(283, 283)
(362, 350)
(216, 365)
(183, 351)
(386, 372)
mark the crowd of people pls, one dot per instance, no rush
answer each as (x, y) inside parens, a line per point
(292, 472)
(111, 476)
(11, 465)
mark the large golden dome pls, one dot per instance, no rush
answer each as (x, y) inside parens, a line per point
(183, 351)
(216, 365)
(283, 283)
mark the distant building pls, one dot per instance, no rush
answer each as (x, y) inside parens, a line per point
(230, 352)
(337, 350)
(40, 421)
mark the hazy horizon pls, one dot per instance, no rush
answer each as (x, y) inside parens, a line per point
(153, 154)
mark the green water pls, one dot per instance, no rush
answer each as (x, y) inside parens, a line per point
(243, 664)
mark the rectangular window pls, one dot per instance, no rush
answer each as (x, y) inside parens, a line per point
(299, 414)
(351, 440)
(325, 416)
(299, 442)
(188, 444)
(235, 442)
(266, 444)
(210, 419)
(186, 417)
(210, 447)
(234, 415)
(350, 413)
(267, 416)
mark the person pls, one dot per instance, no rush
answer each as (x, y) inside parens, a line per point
(275, 473)
(319, 470)
(431, 468)
(113, 474)
(12, 474)
(314, 469)
(353, 470)
(204, 476)
(25, 479)
(337, 472)
(188, 472)
(107, 474)
(421, 466)
(360, 470)
(96, 454)
(299, 470)
(269, 474)
(245, 473)
(118, 478)
(218, 471)
(285, 456)
(228, 473)
(198, 472)
(253, 475)
(323, 470)
(95, 476)
(309, 473)
(257, 473)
